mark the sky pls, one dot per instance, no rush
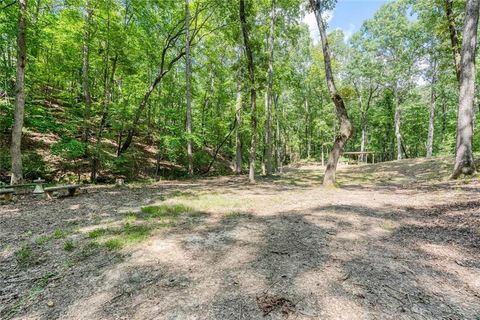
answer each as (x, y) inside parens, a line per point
(348, 15)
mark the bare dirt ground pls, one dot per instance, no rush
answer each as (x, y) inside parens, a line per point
(395, 241)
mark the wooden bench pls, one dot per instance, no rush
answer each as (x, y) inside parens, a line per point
(71, 188)
(7, 194)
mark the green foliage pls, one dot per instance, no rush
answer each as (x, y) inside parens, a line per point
(69, 148)
(113, 244)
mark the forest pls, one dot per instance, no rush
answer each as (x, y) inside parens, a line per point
(114, 88)
(246, 159)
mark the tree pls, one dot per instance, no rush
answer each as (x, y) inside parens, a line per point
(253, 90)
(268, 124)
(16, 152)
(346, 130)
(464, 163)
(188, 72)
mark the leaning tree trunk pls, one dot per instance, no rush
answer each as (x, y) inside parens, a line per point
(16, 153)
(253, 92)
(188, 72)
(464, 156)
(346, 128)
(268, 124)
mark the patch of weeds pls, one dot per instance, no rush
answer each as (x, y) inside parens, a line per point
(24, 255)
(136, 233)
(59, 234)
(69, 245)
(97, 233)
(42, 240)
(130, 218)
(165, 210)
(198, 214)
(113, 244)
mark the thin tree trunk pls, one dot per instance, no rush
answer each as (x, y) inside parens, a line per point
(16, 152)
(397, 122)
(188, 71)
(431, 120)
(253, 92)
(238, 140)
(268, 127)
(85, 74)
(455, 43)
(346, 127)
(464, 162)
(363, 143)
(279, 151)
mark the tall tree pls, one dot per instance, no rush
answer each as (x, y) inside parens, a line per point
(253, 90)
(188, 72)
(464, 163)
(268, 123)
(455, 43)
(86, 72)
(346, 130)
(16, 152)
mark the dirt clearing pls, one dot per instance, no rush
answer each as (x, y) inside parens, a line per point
(394, 242)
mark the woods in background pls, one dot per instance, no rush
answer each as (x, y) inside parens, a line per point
(164, 88)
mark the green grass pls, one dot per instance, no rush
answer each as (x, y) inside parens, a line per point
(69, 245)
(59, 234)
(113, 244)
(162, 211)
(97, 233)
(42, 240)
(24, 255)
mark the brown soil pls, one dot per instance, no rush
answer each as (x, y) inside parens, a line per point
(395, 241)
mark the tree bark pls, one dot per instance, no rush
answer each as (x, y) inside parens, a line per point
(455, 43)
(188, 71)
(238, 140)
(464, 162)
(253, 91)
(397, 123)
(16, 152)
(85, 74)
(346, 128)
(431, 120)
(268, 125)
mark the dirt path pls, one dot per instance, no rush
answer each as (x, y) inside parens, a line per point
(395, 242)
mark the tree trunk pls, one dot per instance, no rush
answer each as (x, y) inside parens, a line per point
(188, 72)
(253, 91)
(431, 120)
(346, 127)
(455, 43)
(397, 122)
(85, 74)
(363, 143)
(16, 152)
(464, 156)
(268, 126)
(238, 140)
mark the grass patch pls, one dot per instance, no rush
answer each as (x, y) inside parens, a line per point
(162, 211)
(113, 244)
(42, 240)
(97, 233)
(59, 234)
(24, 255)
(69, 245)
